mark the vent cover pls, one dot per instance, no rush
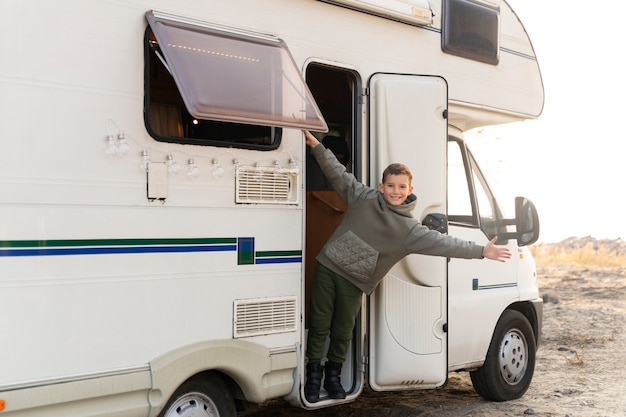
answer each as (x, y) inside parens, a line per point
(263, 316)
(267, 185)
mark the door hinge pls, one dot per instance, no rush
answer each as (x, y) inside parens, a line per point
(364, 364)
(362, 98)
(445, 327)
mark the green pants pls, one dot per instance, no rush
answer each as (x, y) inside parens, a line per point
(335, 303)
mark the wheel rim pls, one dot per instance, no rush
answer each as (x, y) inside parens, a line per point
(193, 404)
(513, 357)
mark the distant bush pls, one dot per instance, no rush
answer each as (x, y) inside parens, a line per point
(581, 251)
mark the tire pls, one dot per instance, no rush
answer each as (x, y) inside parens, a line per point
(510, 362)
(204, 396)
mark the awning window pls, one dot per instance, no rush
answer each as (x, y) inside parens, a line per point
(235, 76)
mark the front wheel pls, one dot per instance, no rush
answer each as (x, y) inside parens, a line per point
(206, 396)
(510, 361)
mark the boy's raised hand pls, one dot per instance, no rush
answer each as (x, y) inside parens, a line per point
(496, 253)
(310, 139)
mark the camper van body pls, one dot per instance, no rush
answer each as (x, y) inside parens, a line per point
(146, 266)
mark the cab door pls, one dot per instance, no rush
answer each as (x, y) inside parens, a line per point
(408, 310)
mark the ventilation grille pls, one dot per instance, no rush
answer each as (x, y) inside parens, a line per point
(267, 185)
(265, 316)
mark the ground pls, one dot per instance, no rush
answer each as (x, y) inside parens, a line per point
(580, 369)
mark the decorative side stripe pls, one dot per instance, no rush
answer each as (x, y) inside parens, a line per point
(113, 246)
(244, 246)
(502, 48)
(477, 287)
(278, 257)
(113, 242)
(113, 250)
(296, 259)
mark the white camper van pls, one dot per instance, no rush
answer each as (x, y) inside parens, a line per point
(160, 214)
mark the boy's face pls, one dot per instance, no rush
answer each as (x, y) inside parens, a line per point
(396, 189)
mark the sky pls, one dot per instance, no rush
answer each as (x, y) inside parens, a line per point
(571, 162)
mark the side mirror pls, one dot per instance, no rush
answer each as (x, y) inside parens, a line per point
(526, 223)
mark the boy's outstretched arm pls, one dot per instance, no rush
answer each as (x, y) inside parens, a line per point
(496, 253)
(310, 139)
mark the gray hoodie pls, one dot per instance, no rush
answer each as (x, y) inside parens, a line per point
(375, 235)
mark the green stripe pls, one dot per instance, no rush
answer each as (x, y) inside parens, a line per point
(113, 242)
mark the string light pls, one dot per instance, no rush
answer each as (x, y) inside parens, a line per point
(218, 170)
(235, 166)
(277, 169)
(145, 160)
(117, 145)
(122, 145)
(293, 165)
(172, 166)
(111, 146)
(192, 170)
(258, 174)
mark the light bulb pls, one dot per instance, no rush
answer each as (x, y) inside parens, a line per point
(258, 174)
(277, 169)
(145, 160)
(111, 147)
(172, 166)
(122, 145)
(218, 170)
(235, 166)
(294, 166)
(192, 170)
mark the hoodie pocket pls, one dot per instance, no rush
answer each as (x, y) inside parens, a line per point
(353, 255)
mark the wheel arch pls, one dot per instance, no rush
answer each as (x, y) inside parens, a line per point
(249, 370)
(533, 311)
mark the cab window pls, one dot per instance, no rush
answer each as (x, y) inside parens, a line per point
(470, 200)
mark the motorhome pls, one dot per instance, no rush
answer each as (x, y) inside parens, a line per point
(160, 214)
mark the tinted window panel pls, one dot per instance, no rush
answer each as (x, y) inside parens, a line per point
(471, 29)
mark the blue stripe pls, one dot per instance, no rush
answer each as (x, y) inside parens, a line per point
(115, 250)
(283, 260)
(520, 54)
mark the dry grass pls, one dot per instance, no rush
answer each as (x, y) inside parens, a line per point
(587, 255)
(577, 360)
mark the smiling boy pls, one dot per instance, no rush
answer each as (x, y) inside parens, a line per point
(376, 232)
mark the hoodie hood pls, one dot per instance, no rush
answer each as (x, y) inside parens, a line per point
(405, 209)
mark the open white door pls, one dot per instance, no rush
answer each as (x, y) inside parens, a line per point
(408, 311)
